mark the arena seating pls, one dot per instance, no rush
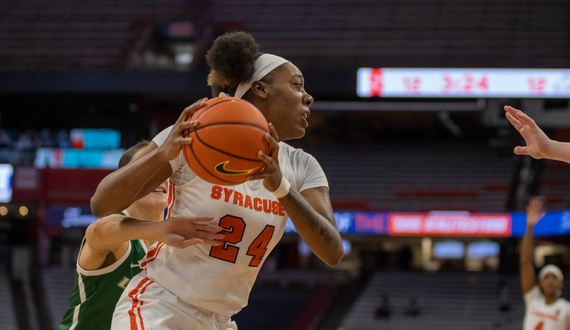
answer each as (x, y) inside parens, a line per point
(343, 33)
(75, 34)
(554, 185)
(322, 34)
(57, 284)
(273, 308)
(446, 300)
(418, 178)
(8, 316)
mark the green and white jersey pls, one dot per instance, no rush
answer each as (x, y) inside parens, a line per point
(96, 292)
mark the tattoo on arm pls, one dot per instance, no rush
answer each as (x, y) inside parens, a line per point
(298, 204)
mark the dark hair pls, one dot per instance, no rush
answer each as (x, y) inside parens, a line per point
(128, 155)
(231, 59)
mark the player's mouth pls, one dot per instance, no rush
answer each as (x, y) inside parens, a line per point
(160, 190)
(305, 115)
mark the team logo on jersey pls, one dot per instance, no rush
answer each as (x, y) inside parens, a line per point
(123, 282)
(222, 169)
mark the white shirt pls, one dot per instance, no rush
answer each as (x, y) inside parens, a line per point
(220, 279)
(540, 316)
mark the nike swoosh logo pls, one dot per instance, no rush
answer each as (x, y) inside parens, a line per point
(222, 169)
(134, 265)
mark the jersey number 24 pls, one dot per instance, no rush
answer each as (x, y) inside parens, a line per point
(234, 228)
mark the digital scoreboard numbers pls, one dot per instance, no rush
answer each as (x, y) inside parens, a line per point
(476, 83)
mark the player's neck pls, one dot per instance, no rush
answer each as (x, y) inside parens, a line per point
(549, 300)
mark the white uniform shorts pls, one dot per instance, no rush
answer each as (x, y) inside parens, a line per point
(145, 305)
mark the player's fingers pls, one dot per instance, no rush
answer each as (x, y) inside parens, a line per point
(520, 116)
(201, 219)
(269, 162)
(265, 158)
(211, 236)
(273, 146)
(258, 176)
(273, 132)
(513, 111)
(212, 242)
(189, 110)
(521, 151)
(191, 241)
(208, 228)
(517, 124)
(187, 125)
(182, 140)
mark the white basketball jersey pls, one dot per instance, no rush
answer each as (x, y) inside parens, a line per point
(540, 316)
(219, 279)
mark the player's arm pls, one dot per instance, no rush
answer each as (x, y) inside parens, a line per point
(538, 145)
(310, 211)
(533, 211)
(121, 188)
(111, 235)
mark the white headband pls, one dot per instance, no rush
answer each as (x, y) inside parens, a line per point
(550, 269)
(261, 67)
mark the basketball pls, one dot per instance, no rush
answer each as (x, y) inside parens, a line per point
(225, 143)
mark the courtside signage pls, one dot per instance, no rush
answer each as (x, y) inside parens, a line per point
(447, 223)
(488, 225)
(455, 82)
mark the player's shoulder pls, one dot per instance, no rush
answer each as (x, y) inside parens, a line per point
(564, 301)
(533, 295)
(293, 153)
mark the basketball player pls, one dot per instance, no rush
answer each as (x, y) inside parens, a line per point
(544, 309)
(202, 287)
(113, 246)
(538, 145)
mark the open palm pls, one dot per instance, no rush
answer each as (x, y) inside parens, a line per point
(537, 143)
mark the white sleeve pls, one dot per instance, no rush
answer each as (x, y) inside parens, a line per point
(159, 139)
(306, 169)
(314, 175)
(533, 294)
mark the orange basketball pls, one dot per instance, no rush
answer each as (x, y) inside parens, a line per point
(225, 143)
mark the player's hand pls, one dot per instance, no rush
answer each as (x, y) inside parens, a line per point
(182, 232)
(271, 174)
(534, 211)
(537, 143)
(170, 149)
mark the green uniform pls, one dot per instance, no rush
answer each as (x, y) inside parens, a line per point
(96, 292)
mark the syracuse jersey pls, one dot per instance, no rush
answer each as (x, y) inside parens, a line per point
(219, 279)
(540, 316)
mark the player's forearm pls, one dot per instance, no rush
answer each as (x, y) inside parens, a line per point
(527, 253)
(316, 230)
(120, 189)
(115, 229)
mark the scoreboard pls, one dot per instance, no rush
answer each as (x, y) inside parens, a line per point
(454, 82)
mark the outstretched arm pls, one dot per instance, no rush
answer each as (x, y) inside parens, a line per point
(538, 145)
(121, 188)
(111, 235)
(310, 211)
(533, 211)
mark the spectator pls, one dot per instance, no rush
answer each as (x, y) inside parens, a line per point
(383, 310)
(504, 296)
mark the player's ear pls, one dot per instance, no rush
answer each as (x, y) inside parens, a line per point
(260, 89)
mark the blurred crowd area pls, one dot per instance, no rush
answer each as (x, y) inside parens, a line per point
(18, 147)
